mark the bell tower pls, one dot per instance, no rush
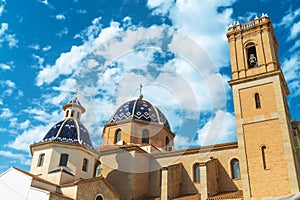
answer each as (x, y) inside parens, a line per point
(264, 130)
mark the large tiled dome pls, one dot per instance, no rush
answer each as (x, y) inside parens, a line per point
(140, 109)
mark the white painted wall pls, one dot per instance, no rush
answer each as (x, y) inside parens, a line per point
(15, 185)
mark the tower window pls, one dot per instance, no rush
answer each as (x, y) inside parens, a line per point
(85, 164)
(118, 135)
(72, 113)
(145, 136)
(235, 168)
(41, 160)
(263, 156)
(167, 143)
(251, 57)
(63, 159)
(67, 113)
(99, 197)
(257, 100)
(196, 171)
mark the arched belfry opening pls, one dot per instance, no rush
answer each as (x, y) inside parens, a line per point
(251, 55)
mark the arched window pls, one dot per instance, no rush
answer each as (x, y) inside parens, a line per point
(63, 159)
(235, 168)
(118, 135)
(41, 160)
(99, 197)
(98, 170)
(167, 143)
(257, 100)
(251, 56)
(145, 136)
(263, 155)
(72, 113)
(67, 113)
(196, 172)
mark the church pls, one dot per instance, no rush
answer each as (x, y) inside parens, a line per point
(137, 159)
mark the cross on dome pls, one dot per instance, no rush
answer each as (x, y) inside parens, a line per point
(140, 95)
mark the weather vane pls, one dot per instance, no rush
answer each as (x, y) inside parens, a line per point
(75, 93)
(141, 86)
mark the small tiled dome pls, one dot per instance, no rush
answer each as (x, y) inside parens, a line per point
(69, 131)
(141, 110)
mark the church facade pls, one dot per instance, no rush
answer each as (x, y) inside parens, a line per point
(137, 159)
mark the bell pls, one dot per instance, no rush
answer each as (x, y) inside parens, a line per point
(252, 59)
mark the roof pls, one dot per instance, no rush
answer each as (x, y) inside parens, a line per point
(227, 195)
(69, 130)
(140, 109)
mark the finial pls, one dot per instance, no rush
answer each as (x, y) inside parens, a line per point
(140, 95)
(75, 93)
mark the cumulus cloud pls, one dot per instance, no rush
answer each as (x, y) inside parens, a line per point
(182, 67)
(9, 87)
(47, 48)
(5, 66)
(289, 18)
(220, 129)
(292, 73)
(24, 160)
(60, 17)
(5, 37)
(294, 31)
(203, 23)
(69, 61)
(6, 113)
(2, 5)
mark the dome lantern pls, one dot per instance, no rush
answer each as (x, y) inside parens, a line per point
(73, 109)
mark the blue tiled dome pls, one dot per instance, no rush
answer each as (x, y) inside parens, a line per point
(69, 131)
(141, 110)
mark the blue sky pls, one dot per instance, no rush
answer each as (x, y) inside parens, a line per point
(105, 49)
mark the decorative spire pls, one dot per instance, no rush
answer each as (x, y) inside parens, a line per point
(140, 95)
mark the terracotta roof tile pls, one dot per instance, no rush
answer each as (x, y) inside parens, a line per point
(227, 195)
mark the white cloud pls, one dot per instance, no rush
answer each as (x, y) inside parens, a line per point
(160, 6)
(294, 31)
(43, 116)
(13, 122)
(25, 124)
(47, 48)
(6, 113)
(60, 17)
(21, 157)
(63, 32)
(9, 87)
(34, 46)
(182, 142)
(5, 66)
(2, 5)
(186, 83)
(292, 73)
(220, 129)
(10, 39)
(289, 18)
(4, 27)
(68, 62)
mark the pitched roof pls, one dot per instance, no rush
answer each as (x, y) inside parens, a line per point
(227, 195)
